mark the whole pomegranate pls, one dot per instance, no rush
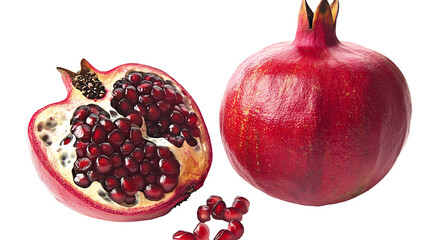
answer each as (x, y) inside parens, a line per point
(315, 121)
(126, 144)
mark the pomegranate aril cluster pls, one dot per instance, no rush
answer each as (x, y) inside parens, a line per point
(115, 154)
(215, 207)
(162, 107)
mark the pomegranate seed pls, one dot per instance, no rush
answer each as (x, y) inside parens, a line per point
(93, 151)
(116, 159)
(192, 119)
(81, 180)
(116, 138)
(124, 106)
(203, 213)
(118, 195)
(80, 146)
(107, 148)
(153, 192)
(183, 110)
(218, 210)
(103, 164)
(182, 235)
(81, 113)
(174, 129)
(130, 199)
(135, 135)
(131, 94)
(118, 93)
(127, 147)
(202, 231)
(138, 180)
(67, 140)
(138, 155)
(107, 124)
(92, 175)
(98, 134)
(212, 200)
(146, 100)
(186, 134)
(135, 78)
(124, 125)
(82, 165)
(141, 109)
(82, 131)
(92, 119)
(131, 164)
(168, 183)
(149, 149)
(158, 81)
(232, 213)
(145, 87)
(110, 182)
(243, 199)
(170, 93)
(128, 185)
(176, 117)
(163, 106)
(168, 167)
(192, 142)
(236, 227)
(152, 177)
(163, 152)
(120, 172)
(135, 117)
(145, 167)
(148, 76)
(195, 132)
(240, 205)
(157, 92)
(153, 112)
(225, 235)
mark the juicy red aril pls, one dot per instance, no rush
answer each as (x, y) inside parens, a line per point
(236, 227)
(153, 192)
(135, 78)
(81, 113)
(118, 195)
(160, 104)
(182, 235)
(103, 164)
(218, 210)
(212, 200)
(116, 154)
(168, 183)
(203, 213)
(240, 205)
(232, 213)
(225, 235)
(244, 200)
(202, 231)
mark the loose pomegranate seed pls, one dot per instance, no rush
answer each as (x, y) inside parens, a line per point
(240, 205)
(218, 210)
(202, 231)
(212, 200)
(182, 235)
(118, 195)
(244, 200)
(236, 227)
(203, 213)
(225, 235)
(153, 192)
(232, 213)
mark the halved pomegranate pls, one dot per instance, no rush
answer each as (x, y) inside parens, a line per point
(126, 144)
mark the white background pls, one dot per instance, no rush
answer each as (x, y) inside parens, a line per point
(200, 43)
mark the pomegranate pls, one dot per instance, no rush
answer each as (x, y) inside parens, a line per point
(315, 121)
(126, 144)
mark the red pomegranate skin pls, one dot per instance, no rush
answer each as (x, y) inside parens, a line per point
(315, 121)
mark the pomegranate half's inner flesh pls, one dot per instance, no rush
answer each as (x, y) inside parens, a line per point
(129, 136)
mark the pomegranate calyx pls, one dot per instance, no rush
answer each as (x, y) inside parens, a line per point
(317, 29)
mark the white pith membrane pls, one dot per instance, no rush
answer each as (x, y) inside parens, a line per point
(53, 125)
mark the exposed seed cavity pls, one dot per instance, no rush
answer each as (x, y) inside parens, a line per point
(89, 85)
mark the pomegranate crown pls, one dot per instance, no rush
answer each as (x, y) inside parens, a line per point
(317, 29)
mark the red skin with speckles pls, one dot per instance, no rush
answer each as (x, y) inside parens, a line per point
(315, 121)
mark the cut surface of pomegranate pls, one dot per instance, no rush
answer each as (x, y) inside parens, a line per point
(315, 121)
(126, 144)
